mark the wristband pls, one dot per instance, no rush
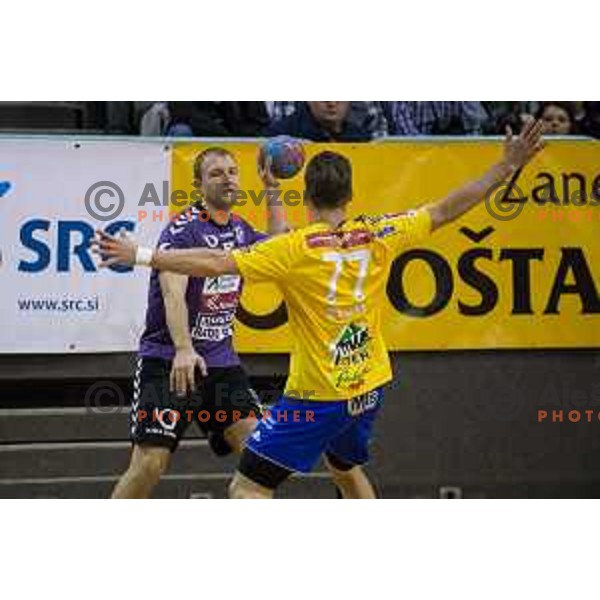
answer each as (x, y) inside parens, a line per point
(143, 256)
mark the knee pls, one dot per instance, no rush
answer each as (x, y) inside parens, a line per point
(235, 490)
(237, 434)
(241, 488)
(342, 474)
(149, 463)
(345, 479)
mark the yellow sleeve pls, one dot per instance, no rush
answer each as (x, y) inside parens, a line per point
(403, 229)
(270, 260)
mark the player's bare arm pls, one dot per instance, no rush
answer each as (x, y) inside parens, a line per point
(197, 262)
(182, 379)
(276, 217)
(518, 151)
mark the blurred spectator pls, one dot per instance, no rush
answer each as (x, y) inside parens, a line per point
(579, 113)
(119, 118)
(365, 115)
(508, 112)
(370, 116)
(217, 119)
(363, 120)
(279, 109)
(200, 119)
(558, 118)
(245, 119)
(180, 119)
(327, 121)
(155, 119)
(433, 117)
(591, 122)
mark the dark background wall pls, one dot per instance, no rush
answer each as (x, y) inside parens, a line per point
(470, 420)
(455, 423)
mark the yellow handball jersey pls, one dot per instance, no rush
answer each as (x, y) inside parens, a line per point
(333, 282)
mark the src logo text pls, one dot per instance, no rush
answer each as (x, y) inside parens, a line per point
(5, 187)
(63, 245)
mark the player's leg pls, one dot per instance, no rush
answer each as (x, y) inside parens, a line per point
(350, 449)
(146, 467)
(351, 480)
(243, 487)
(233, 407)
(290, 437)
(156, 425)
(237, 433)
(229, 392)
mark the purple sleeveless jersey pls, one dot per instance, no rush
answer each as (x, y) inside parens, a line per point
(211, 301)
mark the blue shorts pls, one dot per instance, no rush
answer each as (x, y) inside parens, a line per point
(295, 433)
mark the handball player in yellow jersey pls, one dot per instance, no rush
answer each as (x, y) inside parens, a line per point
(332, 275)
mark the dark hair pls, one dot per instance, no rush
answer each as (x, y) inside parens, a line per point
(566, 106)
(328, 180)
(199, 160)
(591, 122)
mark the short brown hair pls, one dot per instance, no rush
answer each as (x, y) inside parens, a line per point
(199, 160)
(564, 106)
(328, 180)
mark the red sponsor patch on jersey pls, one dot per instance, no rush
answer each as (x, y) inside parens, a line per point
(339, 239)
(219, 302)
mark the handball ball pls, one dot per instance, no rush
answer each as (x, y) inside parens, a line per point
(286, 154)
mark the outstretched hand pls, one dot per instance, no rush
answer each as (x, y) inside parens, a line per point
(113, 250)
(519, 150)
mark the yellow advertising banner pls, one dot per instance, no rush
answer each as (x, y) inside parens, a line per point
(521, 270)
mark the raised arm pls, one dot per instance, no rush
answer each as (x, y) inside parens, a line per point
(518, 151)
(276, 217)
(198, 262)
